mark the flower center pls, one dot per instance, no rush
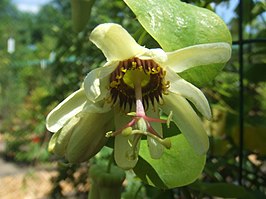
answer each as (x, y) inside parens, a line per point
(124, 77)
(138, 81)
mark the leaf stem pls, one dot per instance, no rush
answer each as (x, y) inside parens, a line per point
(110, 162)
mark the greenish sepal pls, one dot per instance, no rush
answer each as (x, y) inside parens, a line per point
(52, 142)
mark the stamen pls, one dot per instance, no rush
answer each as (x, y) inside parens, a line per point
(165, 142)
(123, 70)
(142, 127)
(150, 119)
(134, 65)
(114, 84)
(119, 76)
(130, 124)
(133, 154)
(169, 119)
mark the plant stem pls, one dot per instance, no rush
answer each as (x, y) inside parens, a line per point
(111, 160)
(104, 184)
(94, 191)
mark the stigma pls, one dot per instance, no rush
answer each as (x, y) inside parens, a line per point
(146, 73)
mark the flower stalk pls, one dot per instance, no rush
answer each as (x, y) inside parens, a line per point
(106, 184)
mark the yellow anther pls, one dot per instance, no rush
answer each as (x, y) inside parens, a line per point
(162, 75)
(134, 65)
(154, 71)
(148, 71)
(114, 84)
(165, 92)
(119, 76)
(166, 84)
(109, 134)
(123, 70)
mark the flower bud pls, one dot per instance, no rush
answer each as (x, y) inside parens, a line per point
(59, 141)
(81, 10)
(88, 136)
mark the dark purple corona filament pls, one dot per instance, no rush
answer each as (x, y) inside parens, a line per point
(151, 91)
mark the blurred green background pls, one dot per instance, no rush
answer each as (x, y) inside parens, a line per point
(50, 60)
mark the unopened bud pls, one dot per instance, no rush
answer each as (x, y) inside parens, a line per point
(87, 138)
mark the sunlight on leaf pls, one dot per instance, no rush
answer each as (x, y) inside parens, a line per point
(174, 25)
(177, 167)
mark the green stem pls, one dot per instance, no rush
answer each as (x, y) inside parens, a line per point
(104, 184)
(110, 162)
(165, 142)
(137, 192)
(94, 191)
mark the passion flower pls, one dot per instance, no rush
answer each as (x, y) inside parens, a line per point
(133, 87)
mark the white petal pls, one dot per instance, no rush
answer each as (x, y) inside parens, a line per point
(115, 42)
(155, 148)
(187, 121)
(52, 142)
(197, 55)
(122, 148)
(156, 54)
(98, 107)
(189, 91)
(97, 81)
(64, 111)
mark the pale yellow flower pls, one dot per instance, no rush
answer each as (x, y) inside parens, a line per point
(127, 94)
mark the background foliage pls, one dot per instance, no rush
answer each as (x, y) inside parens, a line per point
(51, 60)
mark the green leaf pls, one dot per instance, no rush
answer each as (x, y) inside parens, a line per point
(177, 167)
(81, 11)
(174, 25)
(201, 75)
(224, 190)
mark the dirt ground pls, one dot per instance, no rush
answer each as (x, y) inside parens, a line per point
(30, 184)
(18, 182)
